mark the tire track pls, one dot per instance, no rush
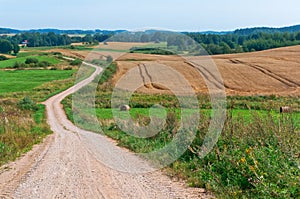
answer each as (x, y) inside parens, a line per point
(287, 82)
(208, 75)
(141, 74)
(147, 73)
(145, 78)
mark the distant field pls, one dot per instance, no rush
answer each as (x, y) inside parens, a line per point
(11, 62)
(25, 80)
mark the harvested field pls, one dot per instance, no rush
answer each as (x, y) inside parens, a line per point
(122, 45)
(271, 72)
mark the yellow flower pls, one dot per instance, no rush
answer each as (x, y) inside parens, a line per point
(243, 160)
(248, 150)
(252, 168)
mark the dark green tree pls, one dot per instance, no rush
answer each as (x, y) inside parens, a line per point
(16, 49)
(5, 46)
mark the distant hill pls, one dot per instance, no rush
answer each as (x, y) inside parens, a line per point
(244, 31)
(217, 32)
(249, 31)
(58, 31)
(8, 31)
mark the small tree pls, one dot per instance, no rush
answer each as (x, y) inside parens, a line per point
(5, 46)
(16, 49)
(109, 59)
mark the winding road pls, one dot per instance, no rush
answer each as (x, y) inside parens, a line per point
(74, 163)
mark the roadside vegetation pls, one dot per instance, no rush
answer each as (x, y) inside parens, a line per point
(256, 156)
(22, 117)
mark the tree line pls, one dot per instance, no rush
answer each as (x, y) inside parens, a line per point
(238, 43)
(213, 43)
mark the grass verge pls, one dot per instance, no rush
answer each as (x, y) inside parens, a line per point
(256, 156)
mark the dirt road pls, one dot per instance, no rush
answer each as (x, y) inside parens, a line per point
(73, 163)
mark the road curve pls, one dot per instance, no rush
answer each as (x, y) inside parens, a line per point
(74, 163)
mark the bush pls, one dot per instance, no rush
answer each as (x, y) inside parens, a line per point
(31, 60)
(2, 58)
(99, 62)
(109, 59)
(19, 65)
(43, 64)
(57, 53)
(68, 68)
(76, 62)
(27, 104)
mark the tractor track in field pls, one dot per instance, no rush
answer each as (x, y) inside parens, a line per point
(283, 80)
(208, 75)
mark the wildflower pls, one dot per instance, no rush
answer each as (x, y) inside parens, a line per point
(243, 160)
(248, 150)
(252, 168)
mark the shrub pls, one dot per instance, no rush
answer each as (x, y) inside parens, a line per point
(19, 65)
(68, 68)
(31, 60)
(57, 53)
(27, 104)
(76, 62)
(99, 62)
(109, 59)
(2, 58)
(44, 64)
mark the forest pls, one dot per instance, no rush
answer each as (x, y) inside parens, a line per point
(245, 40)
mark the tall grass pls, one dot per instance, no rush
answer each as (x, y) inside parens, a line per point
(22, 119)
(19, 129)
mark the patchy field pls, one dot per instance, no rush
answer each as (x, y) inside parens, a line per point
(10, 63)
(26, 80)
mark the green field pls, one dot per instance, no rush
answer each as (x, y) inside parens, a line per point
(26, 80)
(11, 62)
(256, 155)
(106, 113)
(30, 87)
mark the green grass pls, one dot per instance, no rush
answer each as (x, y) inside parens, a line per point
(256, 155)
(156, 45)
(10, 63)
(30, 53)
(245, 115)
(26, 80)
(20, 129)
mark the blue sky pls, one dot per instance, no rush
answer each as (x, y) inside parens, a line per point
(189, 15)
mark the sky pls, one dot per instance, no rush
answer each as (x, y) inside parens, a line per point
(188, 15)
